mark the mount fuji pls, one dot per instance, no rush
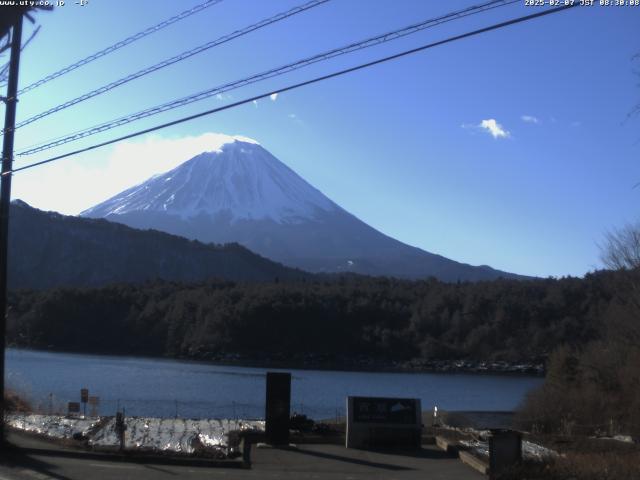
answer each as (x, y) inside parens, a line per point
(241, 193)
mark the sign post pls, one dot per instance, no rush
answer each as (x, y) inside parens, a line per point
(94, 402)
(84, 398)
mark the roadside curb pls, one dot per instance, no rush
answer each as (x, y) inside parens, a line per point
(474, 462)
(454, 449)
(448, 446)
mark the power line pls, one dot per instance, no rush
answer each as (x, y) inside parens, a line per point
(265, 75)
(301, 84)
(120, 44)
(379, 39)
(175, 59)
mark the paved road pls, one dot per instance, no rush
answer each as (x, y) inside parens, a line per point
(305, 462)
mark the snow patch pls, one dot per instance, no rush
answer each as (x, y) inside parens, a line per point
(530, 450)
(173, 435)
(52, 426)
(177, 435)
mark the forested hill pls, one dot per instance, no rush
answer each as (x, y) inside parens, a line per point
(47, 249)
(334, 321)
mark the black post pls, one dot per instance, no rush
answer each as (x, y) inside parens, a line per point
(278, 408)
(5, 196)
(120, 428)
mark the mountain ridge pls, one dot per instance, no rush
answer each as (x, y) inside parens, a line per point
(48, 249)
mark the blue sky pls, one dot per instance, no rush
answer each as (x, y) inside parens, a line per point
(400, 145)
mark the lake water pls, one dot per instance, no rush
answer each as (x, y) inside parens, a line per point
(166, 388)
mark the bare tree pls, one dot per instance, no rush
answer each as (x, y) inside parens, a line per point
(621, 251)
(621, 248)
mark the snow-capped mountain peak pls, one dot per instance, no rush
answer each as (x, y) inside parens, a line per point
(236, 191)
(238, 179)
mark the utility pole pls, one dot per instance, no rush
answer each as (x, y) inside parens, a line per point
(5, 197)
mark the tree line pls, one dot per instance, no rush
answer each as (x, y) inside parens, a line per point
(331, 317)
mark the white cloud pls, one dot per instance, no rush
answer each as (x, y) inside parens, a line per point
(72, 186)
(273, 97)
(492, 127)
(295, 118)
(529, 119)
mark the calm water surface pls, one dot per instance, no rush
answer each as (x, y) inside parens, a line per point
(159, 387)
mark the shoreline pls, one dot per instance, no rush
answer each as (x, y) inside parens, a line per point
(435, 366)
(339, 364)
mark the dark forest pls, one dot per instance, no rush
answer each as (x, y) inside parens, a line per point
(332, 319)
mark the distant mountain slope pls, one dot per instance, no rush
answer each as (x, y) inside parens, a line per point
(47, 249)
(241, 193)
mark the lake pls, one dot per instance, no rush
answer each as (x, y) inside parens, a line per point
(168, 388)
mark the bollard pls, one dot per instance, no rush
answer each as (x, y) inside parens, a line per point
(505, 450)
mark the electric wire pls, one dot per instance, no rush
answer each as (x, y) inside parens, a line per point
(220, 89)
(175, 59)
(122, 43)
(300, 84)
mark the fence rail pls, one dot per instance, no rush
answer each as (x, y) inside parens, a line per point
(176, 408)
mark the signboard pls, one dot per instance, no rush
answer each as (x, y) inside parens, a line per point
(73, 407)
(384, 410)
(278, 406)
(84, 395)
(378, 422)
